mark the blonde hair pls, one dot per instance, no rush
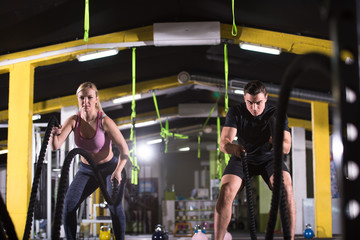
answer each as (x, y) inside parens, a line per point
(91, 85)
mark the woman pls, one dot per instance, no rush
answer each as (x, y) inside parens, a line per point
(94, 132)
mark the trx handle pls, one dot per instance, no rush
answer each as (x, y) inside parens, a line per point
(63, 184)
(52, 122)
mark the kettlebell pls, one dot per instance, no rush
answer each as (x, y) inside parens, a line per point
(160, 233)
(308, 233)
(105, 233)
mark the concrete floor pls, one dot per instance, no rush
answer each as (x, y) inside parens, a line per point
(236, 236)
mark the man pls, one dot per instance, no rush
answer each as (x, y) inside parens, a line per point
(250, 121)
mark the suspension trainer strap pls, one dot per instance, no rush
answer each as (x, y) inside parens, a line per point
(135, 167)
(234, 29)
(227, 156)
(219, 166)
(226, 78)
(204, 125)
(86, 21)
(165, 132)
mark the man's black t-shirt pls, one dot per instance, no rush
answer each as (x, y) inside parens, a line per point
(253, 132)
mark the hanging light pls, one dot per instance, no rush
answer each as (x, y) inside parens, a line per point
(126, 99)
(260, 48)
(97, 54)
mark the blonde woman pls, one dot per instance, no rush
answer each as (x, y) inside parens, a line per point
(93, 132)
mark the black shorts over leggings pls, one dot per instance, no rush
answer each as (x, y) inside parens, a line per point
(266, 169)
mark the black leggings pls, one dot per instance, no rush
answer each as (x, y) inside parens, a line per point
(82, 186)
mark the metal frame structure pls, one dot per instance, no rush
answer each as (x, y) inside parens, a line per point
(345, 65)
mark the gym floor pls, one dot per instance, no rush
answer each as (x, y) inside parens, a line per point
(236, 236)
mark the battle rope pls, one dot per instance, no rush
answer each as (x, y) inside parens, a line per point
(300, 65)
(63, 184)
(52, 122)
(249, 198)
(6, 223)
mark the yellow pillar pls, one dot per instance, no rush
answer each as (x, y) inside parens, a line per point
(21, 88)
(321, 156)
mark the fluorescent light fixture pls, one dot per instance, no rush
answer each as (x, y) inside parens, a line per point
(36, 117)
(260, 48)
(3, 151)
(184, 149)
(97, 54)
(239, 91)
(154, 141)
(144, 124)
(126, 99)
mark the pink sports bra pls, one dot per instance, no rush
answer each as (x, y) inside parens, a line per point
(98, 142)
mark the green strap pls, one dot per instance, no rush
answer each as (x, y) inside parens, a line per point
(86, 21)
(234, 29)
(135, 167)
(165, 132)
(226, 78)
(219, 166)
(204, 125)
(157, 109)
(198, 155)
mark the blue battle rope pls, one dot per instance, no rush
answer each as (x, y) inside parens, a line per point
(300, 65)
(113, 200)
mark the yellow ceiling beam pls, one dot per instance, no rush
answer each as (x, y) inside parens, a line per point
(67, 51)
(107, 94)
(286, 42)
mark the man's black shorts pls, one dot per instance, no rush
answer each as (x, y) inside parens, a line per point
(265, 169)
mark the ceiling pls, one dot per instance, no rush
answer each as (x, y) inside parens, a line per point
(32, 24)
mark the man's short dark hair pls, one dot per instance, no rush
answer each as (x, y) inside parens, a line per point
(255, 87)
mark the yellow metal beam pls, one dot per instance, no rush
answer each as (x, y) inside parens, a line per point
(108, 94)
(286, 42)
(18, 184)
(321, 165)
(67, 51)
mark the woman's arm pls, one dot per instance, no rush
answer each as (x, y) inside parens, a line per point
(113, 131)
(59, 134)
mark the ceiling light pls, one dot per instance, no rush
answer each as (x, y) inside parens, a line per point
(36, 117)
(96, 55)
(239, 91)
(154, 141)
(3, 151)
(126, 99)
(184, 149)
(260, 48)
(144, 124)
